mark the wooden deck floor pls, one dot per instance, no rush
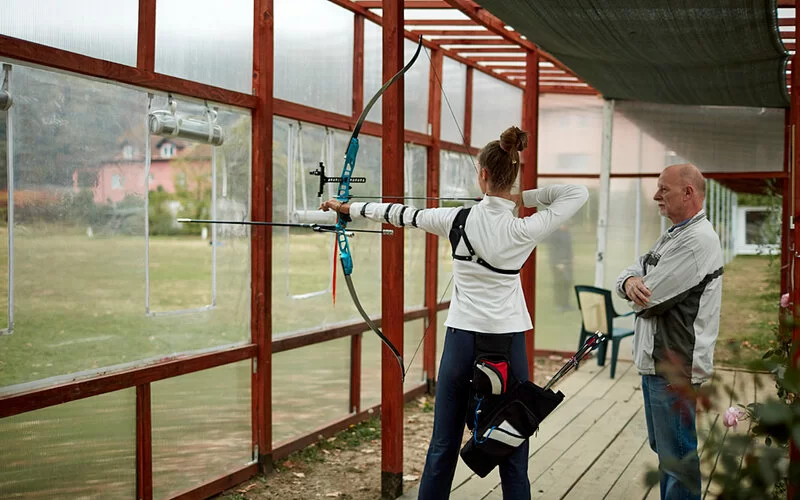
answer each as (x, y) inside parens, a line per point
(594, 445)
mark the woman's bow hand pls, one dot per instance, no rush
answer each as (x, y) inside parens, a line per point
(336, 206)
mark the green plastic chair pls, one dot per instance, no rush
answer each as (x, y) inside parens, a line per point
(597, 315)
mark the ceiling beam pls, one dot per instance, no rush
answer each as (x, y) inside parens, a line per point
(375, 18)
(441, 22)
(437, 32)
(499, 50)
(497, 58)
(408, 4)
(485, 18)
(473, 41)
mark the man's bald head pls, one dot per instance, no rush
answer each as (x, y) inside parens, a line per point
(689, 176)
(681, 191)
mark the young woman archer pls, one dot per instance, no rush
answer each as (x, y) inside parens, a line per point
(490, 244)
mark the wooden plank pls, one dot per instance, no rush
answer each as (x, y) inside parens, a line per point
(603, 382)
(628, 387)
(630, 484)
(602, 476)
(584, 453)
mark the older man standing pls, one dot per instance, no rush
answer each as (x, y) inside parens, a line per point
(676, 290)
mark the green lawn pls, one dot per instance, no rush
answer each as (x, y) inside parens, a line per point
(750, 298)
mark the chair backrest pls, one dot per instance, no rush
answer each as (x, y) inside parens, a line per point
(596, 308)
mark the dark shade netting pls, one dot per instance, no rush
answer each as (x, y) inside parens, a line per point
(714, 138)
(697, 52)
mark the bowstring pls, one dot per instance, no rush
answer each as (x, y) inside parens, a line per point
(472, 159)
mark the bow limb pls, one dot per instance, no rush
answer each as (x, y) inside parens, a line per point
(343, 195)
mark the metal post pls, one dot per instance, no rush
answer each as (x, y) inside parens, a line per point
(10, 181)
(637, 231)
(605, 186)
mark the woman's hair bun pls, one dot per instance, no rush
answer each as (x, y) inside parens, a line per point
(513, 139)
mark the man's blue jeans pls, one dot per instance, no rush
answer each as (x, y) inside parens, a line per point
(452, 393)
(673, 436)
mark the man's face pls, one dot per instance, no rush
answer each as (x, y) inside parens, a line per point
(670, 196)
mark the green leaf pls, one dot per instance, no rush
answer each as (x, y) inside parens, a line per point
(774, 413)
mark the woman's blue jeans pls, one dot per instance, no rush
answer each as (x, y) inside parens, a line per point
(673, 436)
(452, 393)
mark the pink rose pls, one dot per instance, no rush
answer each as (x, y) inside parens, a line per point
(785, 300)
(733, 416)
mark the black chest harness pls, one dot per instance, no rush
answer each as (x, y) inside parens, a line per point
(457, 233)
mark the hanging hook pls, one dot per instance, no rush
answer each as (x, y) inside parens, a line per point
(5, 96)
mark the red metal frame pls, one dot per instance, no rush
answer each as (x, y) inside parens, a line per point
(468, 109)
(530, 179)
(392, 254)
(36, 399)
(794, 453)
(261, 236)
(23, 50)
(431, 240)
(146, 43)
(144, 443)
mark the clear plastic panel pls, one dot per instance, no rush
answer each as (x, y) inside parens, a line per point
(373, 68)
(454, 94)
(314, 54)
(82, 449)
(371, 374)
(76, 26)
(570, 134)
(80, 287)
(416, 167)
(495, 107)
(202, 427)
(714, 138)
(416, 82)
(634, 151)
(458, 179)
(301, 258)
(565, 259)
(206, 41)
(416, 79)
(310, 387)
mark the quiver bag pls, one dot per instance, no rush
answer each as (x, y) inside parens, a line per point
(506, 424)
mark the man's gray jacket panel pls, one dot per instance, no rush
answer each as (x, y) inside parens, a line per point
(683, 272)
